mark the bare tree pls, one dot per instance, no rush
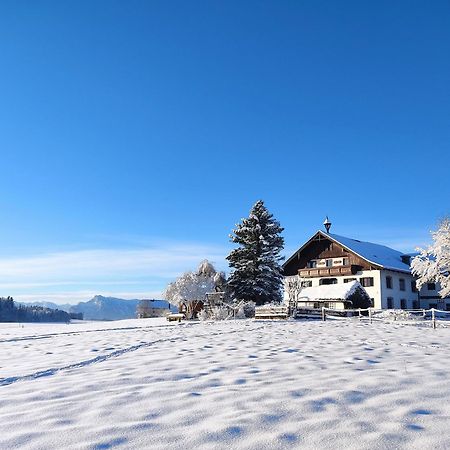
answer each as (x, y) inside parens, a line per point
(293, 286)
(191, 288)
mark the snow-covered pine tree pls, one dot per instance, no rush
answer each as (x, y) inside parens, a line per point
(433, 263)
(256, 270)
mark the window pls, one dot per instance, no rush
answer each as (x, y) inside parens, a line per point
(327, 281)
(307, 283)
(413, 286)
(316, 305)
(389, 282)
(390, 303)
(345, 261)
(433, 305)
(329, 262)
(431, 286)
(366, 281)
(349, 280)
(402, 284)
(312, 264)
(403, 303)
(416, 304)
(326, 305)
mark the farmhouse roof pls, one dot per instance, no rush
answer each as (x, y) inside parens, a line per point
(376, 254)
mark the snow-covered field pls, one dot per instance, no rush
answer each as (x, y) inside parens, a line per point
(231, 385)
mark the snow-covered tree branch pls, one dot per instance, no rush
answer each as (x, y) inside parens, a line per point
(433, 263)
(191, 288)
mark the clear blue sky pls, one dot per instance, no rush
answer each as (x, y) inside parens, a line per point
(132, 131)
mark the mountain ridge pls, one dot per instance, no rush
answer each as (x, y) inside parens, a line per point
(101, 307)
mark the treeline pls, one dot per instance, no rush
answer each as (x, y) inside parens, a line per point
(11, 312)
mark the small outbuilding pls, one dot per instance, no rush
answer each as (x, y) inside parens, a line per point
(334, 296)
(153, 308)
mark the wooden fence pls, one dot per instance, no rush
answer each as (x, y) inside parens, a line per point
(432, 315)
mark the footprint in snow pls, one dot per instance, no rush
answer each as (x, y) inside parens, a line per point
(110, 444)
(414, 427)
(421, 412)
(288, 437)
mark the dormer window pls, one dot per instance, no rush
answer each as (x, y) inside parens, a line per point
(312, 264)
(406, 259)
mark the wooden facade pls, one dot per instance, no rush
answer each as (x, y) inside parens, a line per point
(318, 248)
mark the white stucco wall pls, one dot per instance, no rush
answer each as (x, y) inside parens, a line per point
(379, 292)
(373, 291)
(395, 293)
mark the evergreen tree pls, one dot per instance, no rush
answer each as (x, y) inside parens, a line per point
(256, 271)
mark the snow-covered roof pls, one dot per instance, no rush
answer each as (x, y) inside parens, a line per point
(329, 291)
(377, 254)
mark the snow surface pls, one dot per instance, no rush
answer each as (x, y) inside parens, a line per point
(213, 385)
(329, 291)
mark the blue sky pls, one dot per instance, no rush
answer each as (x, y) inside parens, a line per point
(134, 135)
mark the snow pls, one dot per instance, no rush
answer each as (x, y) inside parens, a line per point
(329, 291)
(211, 385)
(374, 253)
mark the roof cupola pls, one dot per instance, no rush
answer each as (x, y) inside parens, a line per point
(327, 224)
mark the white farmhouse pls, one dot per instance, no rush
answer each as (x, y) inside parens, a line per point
(329, 259)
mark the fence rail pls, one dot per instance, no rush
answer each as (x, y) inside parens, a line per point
(272, 312)
(432, 315)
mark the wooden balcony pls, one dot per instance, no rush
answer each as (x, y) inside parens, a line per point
(328, 271)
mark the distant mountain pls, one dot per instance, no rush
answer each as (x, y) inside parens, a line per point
(111, 308)
(106, 308)
(103, 308)
(51, 305)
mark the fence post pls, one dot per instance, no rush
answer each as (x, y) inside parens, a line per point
(423, 313)
(324, 316)
(370, 315)
(433, 318)
(359, 313)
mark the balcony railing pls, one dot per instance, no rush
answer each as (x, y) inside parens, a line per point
(328, 271)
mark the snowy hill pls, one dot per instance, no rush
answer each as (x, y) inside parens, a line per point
(238, 384)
